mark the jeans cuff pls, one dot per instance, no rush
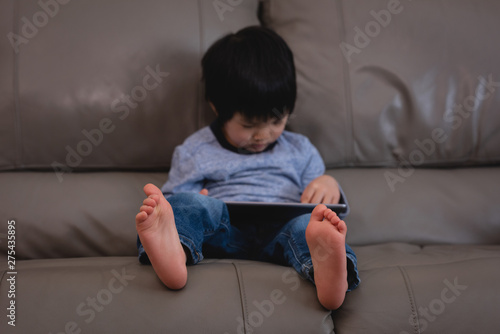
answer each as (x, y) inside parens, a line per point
(192, 256)
(353, 279)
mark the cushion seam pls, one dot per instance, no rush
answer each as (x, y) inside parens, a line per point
(243, 297)
(411, 300)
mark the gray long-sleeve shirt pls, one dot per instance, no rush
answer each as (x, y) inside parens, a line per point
(279, 174)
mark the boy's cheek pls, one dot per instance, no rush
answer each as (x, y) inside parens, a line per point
(243, 140)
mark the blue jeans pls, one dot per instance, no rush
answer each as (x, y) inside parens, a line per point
(205, 231)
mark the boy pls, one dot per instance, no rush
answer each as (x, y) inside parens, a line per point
(246, 155)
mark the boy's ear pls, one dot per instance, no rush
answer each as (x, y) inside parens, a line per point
(213, 108)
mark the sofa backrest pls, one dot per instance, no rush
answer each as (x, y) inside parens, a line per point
(99, 85)
(395, 82)
(105, 85)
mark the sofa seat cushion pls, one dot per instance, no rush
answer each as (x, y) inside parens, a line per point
(119, 295)
(407, 288)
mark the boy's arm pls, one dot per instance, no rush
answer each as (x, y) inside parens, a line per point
(184, 174)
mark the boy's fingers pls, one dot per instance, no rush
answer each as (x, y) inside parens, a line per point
(313, 195)
(305, 197)
(317, 197)
(331, 197)
(328, 199)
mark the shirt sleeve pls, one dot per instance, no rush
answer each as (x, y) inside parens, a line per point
(314, 166)
(184, 174)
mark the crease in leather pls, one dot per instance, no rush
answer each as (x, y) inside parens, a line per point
(399, 114)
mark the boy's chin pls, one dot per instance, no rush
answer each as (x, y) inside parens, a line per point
(256, 148)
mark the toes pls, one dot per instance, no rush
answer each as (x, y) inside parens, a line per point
(319, 212)
(147, 209)
(140, 217)
(150, 201)
(342, 227)
(332, 217)
(151, 189)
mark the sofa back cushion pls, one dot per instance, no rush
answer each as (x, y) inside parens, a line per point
(105, 84)
(102, 85)
(391, 83)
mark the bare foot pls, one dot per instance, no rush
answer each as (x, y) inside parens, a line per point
(325, 236)
(155, 225)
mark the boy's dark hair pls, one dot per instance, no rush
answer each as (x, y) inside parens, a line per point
(252, 72)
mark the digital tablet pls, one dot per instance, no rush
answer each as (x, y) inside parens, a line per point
(256, 212)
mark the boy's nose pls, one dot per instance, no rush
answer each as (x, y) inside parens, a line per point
(262, 135)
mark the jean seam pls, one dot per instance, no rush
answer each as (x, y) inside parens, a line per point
(305, 269)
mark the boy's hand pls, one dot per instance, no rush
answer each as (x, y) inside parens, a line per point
(323, 189)
(204, 192)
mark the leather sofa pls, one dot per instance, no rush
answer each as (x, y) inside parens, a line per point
(401, 97)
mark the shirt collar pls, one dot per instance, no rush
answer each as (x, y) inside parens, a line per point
(216, 128)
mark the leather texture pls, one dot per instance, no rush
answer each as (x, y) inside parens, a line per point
(400, 97)
(380, 86)
(105, 80)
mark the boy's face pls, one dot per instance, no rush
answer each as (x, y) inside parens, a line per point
(253, 135)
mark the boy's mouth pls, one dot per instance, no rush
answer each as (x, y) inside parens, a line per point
(257, 147)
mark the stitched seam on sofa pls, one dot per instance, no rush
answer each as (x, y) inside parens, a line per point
(411, 299)
(199, 95)
(15, 78)
(472, 259)
(347, 89)
(435, 163)
(243, 296)
(4, 273)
